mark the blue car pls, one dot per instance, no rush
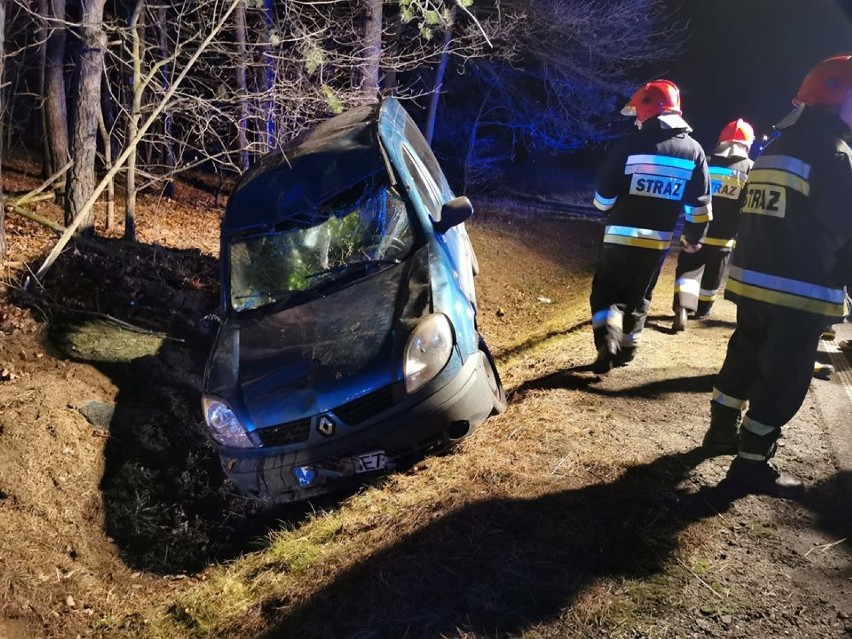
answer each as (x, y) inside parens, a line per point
(347, 342)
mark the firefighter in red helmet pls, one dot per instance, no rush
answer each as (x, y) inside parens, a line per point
(698, 275)
(648, 179)
(786, 276)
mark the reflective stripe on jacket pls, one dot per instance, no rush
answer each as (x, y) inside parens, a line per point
(728, 175)
(796, 227)
(647, 181)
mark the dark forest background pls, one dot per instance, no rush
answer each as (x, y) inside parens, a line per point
(112, 97)
(116, 96)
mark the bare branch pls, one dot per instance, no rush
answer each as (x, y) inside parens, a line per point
(127, 151)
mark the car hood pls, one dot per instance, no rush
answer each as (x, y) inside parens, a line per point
(307, 359)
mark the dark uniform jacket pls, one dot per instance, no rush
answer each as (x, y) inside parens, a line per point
(728, 175)
(796, 227)
(648, 179)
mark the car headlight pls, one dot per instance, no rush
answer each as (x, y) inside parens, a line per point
(428, 349)
(223, 424)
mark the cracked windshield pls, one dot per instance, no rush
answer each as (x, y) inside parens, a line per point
(350, 237)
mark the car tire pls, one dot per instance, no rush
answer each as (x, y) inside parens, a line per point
(498, 393)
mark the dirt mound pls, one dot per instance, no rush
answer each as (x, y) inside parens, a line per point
(154, 287)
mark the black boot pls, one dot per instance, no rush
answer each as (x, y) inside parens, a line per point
(751, 472)
(679, 323)
(722, 438)
(626, 355)
(703, 309)
(762, 478)
(607, 354)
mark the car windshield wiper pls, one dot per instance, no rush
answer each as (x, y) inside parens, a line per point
(342, 268)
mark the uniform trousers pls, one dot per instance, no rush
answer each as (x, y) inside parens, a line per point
(621, 293)
(769, 365)
(698, 277)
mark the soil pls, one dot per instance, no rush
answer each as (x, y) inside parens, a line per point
(113, 504)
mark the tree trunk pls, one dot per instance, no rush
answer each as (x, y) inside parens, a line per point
(440, 72)
(268, 79)
(87, 104)
(106, 126)
(55, 105)
(2, 107)
(393, 29)
(471, 142)
(106, 140)
(240, 35)
(165, 73)
(133, 118)
(44, 32)
(372, 53)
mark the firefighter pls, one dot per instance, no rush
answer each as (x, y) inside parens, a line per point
(698, 275)
(647, 180)
(786, 276)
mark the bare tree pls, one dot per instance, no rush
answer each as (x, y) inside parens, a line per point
(267, 74)
(106, 140)
(168, 153)
(136, 29)
(54, 100)
(87, 105)
(2, 112)
(438, 85)
(281, 67)
(240, 38)
(42, 11)
(85, 210)
(307, 60)
(368, 70)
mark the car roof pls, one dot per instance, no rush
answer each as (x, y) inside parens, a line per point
(325, 161)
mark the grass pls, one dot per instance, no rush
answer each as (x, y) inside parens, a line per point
(763, 530)
(508, 458)
(241, 590)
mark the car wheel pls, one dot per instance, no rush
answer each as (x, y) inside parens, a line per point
(498, 393)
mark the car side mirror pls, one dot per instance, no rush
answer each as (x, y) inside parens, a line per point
(209, 324)
(453, 213)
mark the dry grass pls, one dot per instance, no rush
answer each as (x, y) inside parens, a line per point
(527, 456)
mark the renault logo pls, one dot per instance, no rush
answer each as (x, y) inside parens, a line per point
(325, 426)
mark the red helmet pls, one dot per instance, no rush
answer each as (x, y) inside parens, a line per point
(737, 131)
(827, 83)
(654, 98)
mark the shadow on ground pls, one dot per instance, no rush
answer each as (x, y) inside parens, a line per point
(132, 311)
(531, 343)
(499, 567)
(831, 502)
(581, 378)
(663, 323)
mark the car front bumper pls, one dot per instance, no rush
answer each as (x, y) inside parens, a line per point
(427, 421)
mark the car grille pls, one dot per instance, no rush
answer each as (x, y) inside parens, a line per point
(284, 434)
(363, 408)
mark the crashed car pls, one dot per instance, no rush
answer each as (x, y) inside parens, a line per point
(347, 342)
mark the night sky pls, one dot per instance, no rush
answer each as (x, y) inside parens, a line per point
(746, 58)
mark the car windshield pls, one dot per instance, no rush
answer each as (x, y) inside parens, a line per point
(363, 230)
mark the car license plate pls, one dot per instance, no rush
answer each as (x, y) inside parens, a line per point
(369, 462)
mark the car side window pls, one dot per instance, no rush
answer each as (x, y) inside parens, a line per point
(426, 187)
